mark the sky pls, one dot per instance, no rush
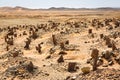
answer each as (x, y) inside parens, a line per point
(60, 3)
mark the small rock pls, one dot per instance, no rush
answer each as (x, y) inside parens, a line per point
(60, 59)
(105, 65)
(117, 59)
(62, 53)
(106, 54)
(89, 60)
(110, 63)
(48, 57)
(30, 66)
(71, 66)
(85, 70)
(99, 62)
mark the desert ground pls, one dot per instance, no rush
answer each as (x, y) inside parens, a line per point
(59, 45)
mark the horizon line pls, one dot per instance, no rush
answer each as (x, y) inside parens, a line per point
(61, 7)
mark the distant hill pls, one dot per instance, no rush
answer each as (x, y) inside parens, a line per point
(101, 8)
(13, 8)
(54, 8)
(108, 8)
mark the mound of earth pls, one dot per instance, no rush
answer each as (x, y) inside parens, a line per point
(100, 74)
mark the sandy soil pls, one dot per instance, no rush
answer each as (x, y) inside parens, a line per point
(66, 26)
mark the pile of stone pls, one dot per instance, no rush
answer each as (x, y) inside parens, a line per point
(106, 58)
(17, 66)
(100, 74)
(13, 53)
(22, 70)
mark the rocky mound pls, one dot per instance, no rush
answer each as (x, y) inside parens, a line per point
(17, 66)
(100, 74)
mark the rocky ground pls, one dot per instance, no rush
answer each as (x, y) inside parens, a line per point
(56, 50)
